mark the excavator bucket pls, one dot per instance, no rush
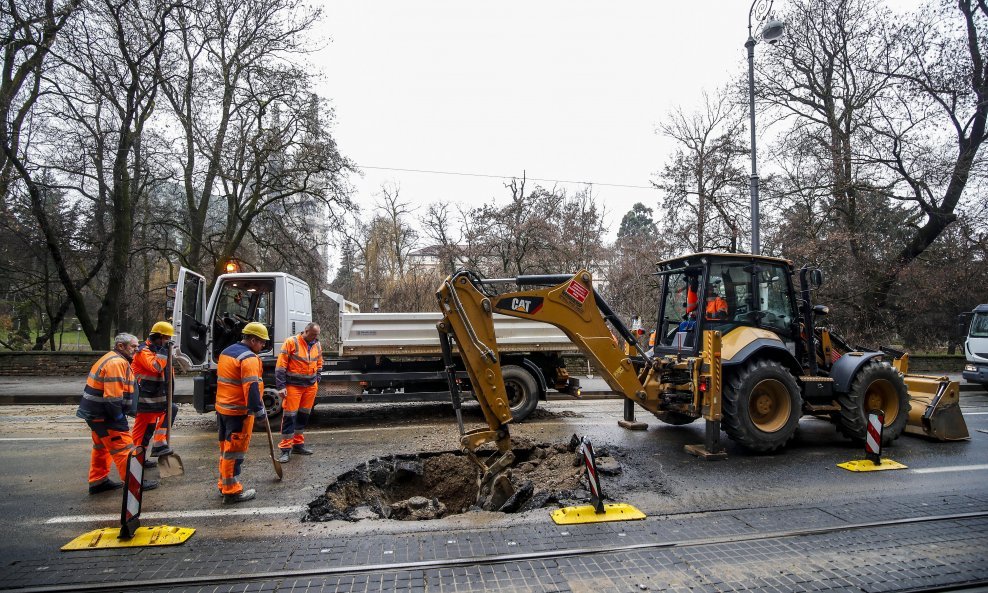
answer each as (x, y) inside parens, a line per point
(935, 410)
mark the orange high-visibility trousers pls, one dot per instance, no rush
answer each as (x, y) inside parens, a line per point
(146, 426)
(296, 410)
(234, 439)
(109, 447)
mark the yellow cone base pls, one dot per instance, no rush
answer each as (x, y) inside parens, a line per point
(865, 465)
(586, 514)
(163, 535)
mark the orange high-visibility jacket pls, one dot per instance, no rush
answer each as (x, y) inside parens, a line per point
(108, 391)
(298, 364)
(716, 308)
(150, 365)
(239, 382)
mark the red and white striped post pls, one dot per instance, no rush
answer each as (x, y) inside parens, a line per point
(590, 462)
(873, 439)
(130, 514)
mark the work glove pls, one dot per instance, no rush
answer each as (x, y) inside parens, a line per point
(260, 414)
(283, 392)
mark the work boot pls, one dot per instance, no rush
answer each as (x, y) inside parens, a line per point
(302, 450)
(149, 485)
(105, 486)
(159, 451)
(286, 454)
(149, 463)
(242, 496)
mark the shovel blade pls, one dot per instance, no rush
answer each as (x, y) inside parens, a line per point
(277, 467)
(935, 408)
(170, 465)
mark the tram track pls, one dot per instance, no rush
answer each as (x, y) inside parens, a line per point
(199, 581)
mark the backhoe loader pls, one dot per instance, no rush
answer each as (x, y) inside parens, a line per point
(737, 343)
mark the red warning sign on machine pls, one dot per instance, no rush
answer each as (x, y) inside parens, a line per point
(577, 291)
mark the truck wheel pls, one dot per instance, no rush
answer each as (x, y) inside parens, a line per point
(522, 390)
(675, 418)
(762, 406)
(876, 386)
(272, 403)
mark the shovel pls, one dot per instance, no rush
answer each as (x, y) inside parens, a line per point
(274, 460)
(170, 464)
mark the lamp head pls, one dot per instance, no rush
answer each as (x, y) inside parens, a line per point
(773, 30)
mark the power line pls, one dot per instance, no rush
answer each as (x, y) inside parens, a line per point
(456, 173)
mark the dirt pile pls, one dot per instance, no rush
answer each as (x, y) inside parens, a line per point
(437, 484)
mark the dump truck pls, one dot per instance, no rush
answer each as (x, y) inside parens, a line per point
(739, 343)
(976, 347)
(384, 357)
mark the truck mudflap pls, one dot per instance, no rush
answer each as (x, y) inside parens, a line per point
(935, 408)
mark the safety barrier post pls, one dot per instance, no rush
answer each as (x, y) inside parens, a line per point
(873, 440)
(590, 462)
(130, 513)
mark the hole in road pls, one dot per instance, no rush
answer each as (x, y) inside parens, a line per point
(432, 485)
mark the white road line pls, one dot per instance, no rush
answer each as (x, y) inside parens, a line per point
(46, 439)
(975, 413)
(180, 514)
(335, 431)
(949, 468)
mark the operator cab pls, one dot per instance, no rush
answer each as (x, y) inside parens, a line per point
(723, 292)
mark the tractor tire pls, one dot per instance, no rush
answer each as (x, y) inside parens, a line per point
(675, 418)
(761, 406)
(522, 391)
(272, 403)
(875, 386)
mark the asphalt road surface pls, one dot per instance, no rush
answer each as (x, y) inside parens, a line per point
(45, 449)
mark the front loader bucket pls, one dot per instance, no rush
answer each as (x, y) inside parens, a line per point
(935, 408)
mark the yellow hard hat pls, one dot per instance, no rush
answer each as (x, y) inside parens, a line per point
(256, 329)
(164, 328)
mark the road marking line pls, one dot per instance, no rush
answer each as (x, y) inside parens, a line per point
(46, 439)
(949, 468)
(180, 514)
(975, 413)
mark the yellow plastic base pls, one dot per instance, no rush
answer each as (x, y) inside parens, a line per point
(864, 465)
(162, 535)
(586, 514)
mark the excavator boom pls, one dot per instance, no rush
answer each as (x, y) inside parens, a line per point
(570, 303)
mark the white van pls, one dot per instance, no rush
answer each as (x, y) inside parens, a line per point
(976, 347)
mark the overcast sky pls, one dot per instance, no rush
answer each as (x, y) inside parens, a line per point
(568, 90)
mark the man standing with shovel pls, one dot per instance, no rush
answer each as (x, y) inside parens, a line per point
(239, 385)
(155, 380)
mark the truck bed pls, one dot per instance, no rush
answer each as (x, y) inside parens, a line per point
(415, 334)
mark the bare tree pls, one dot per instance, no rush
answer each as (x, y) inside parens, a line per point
(255, 141)
(704, 182)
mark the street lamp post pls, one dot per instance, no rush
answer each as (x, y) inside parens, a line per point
(772, 31)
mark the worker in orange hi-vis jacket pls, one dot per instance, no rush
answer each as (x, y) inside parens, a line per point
(239, 385)
(153, 375)
(297, 380)
(106, 399)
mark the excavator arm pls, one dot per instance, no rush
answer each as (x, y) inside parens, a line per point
(468, 304)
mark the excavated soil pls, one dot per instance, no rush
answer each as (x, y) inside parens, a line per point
(432, 485)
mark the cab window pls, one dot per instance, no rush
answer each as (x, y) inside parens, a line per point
(774, 302)
(241, 302)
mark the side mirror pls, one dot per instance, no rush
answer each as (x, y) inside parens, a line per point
(821, 310)
(816, 277)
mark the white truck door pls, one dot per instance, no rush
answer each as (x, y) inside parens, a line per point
(187, 301)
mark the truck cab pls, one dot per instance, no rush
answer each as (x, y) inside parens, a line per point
(976, 347)
(204, 328)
